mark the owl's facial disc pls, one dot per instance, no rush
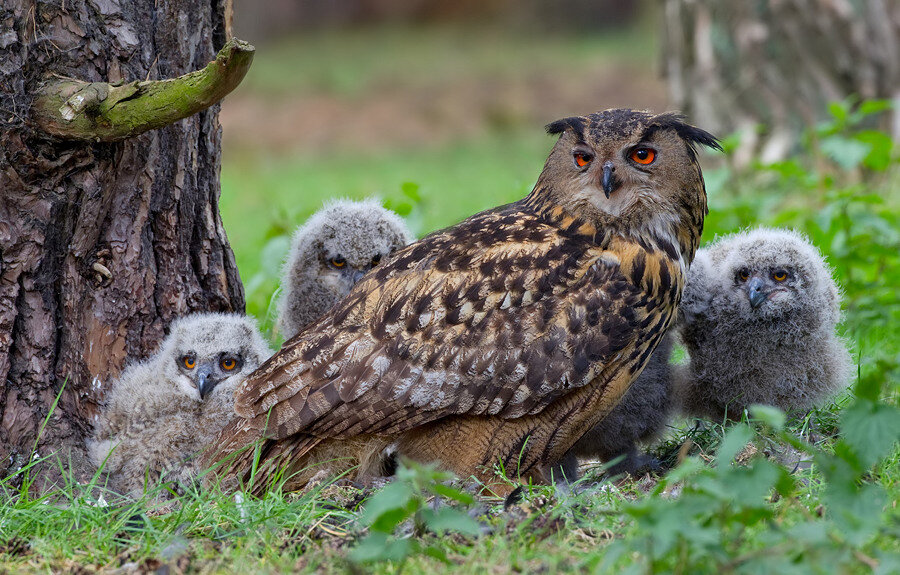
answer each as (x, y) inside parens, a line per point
(769, 287)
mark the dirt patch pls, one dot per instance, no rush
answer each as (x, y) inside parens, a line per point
(397, 116)
(15, 547)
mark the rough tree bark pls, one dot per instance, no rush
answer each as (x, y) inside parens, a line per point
(733, 65)
(102, 243)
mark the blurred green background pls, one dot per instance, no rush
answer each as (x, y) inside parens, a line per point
(453, 111)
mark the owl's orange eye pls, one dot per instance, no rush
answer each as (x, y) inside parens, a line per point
(228, 364)
(376, 259)
(338, 262)
(779, 275)
(189, 361)
(643, 156)
(582, 158)
(744, 275)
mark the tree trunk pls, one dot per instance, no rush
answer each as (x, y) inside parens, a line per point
(102, 244)
(734, 65)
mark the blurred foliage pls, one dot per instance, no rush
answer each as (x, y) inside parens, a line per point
(840, 189)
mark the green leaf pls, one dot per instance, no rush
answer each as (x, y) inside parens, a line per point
(810, 532)
(845, 152)
(732, 444)
(688, 468)
(871, 430)
(380, 547)
(452, 493)
(388, 519)
(786, 484)
(411, 191)
(771, 416)
(394, 496)
(870, 107)
(749, 486)
(857, 512)
(448, 519)
(880, 147)
(839, 111)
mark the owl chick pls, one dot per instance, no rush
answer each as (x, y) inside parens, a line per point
(640, 417)
(759, 317)
(163, 411)
(505, 338)
(330, 253)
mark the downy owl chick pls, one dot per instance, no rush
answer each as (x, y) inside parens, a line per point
(758, 320)
(330, 253)
(164, 411)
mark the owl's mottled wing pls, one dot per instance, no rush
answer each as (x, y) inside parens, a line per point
(499, 322)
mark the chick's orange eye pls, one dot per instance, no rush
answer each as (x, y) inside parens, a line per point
(228, 364)
(779, 275)
(744, 275)
(189, 362)
(376, 259)
(338, 262)
(643, 156)
(582, 159)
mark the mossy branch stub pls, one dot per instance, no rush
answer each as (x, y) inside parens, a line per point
(98, 111)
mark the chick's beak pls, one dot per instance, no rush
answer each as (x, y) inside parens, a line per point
(357, 275)
(205, 380)
(609, 179)
(756, 292)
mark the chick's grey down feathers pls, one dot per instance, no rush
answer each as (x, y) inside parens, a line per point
(361, 234)
(755, 339)
(508, 336)
(154, 421)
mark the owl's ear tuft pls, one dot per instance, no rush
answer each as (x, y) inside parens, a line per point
(696, 135)
(574, 123)
(690, 134)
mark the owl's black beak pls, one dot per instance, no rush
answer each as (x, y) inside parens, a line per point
(205, 380)
(609, 181)
(756, 292)
(357, 275)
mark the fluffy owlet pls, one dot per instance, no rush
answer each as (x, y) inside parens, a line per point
(330, 253)
(760, 313)
(165, 410)
(502, 339)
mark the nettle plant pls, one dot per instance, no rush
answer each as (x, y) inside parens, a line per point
(841, 188)
(759, 517)
(416, 503)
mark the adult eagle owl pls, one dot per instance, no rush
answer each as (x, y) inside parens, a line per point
(502, 339)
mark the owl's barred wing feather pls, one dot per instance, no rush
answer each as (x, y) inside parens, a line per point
(498, 323)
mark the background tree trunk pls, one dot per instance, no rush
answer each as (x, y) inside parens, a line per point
(733, 65)
(101, 244)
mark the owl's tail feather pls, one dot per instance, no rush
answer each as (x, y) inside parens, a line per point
(245, 461)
